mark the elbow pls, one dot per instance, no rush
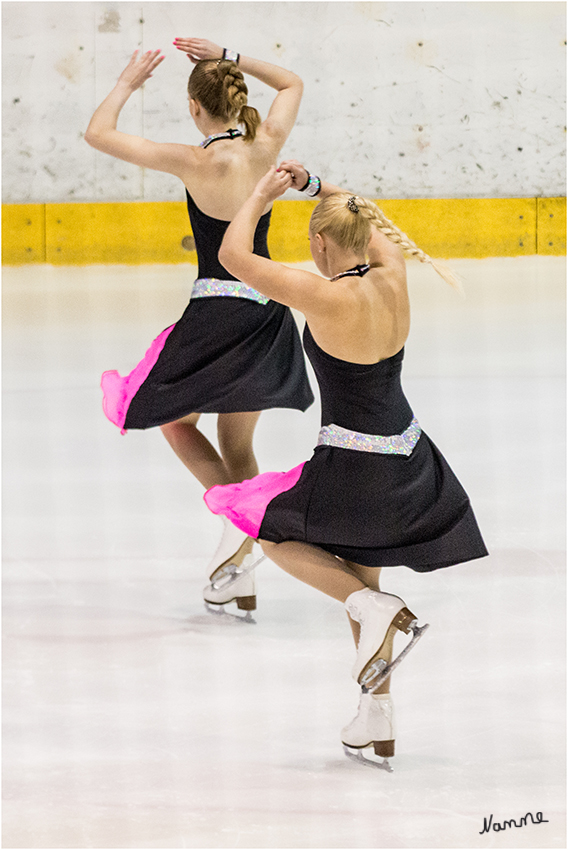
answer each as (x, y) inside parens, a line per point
(293, 81)
(96, 138)
(91, 138)
(225, 257)
(221, 256)
(232, 260)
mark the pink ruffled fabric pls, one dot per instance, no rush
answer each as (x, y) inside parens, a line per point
(118, 392)
(245, 503)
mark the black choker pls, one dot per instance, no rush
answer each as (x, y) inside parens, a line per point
(359, 270)
(228, 134)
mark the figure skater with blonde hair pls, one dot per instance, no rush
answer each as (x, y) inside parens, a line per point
(376, 492)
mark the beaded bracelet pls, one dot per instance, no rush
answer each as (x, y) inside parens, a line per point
(231, 55)
(313, 186)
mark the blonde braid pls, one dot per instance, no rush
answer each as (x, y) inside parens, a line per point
(372, 212)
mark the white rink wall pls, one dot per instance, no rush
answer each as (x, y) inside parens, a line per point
(402, 99)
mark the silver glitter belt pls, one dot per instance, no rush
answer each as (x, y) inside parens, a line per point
(398, 444)
(211, 287)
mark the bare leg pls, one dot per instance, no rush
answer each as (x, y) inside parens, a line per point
(315, 567)
(325, 572)
(236, 460)
(195, 451)
(370, 575)
(235, 432)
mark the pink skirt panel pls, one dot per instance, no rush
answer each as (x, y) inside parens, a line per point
(118, 392)
(245, 503)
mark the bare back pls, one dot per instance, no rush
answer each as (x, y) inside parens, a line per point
(357, 318)
(363, 319)
(221, 176)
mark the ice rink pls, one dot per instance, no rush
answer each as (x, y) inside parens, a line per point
(134, 719)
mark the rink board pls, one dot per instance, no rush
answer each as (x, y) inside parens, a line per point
(159, 232)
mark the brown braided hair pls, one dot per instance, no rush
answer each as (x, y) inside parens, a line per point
(220, 88)
(347, 219)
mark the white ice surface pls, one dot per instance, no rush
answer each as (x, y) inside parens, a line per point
(133, 719)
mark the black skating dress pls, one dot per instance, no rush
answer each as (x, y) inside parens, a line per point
(232, 350)
(376, 491)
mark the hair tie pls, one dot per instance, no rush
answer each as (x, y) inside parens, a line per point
(352, 205)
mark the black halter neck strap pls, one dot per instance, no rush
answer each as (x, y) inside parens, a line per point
(359, 270)
(228, 134)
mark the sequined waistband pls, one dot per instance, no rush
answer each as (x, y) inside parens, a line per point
(398, 444)
(212, 287)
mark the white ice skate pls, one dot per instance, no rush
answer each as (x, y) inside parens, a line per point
(229, 544)
(379, 615)
(230, 580)
(373, 726)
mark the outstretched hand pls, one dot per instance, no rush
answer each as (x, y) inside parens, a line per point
(198, 48)
(274, 183)
(140, 68)
(298, 173)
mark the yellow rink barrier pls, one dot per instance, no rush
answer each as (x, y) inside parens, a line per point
(159, 232)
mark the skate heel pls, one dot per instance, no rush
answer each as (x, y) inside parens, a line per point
(380, 667)
(234, 582)
(384, 749)
(372, 727)
(405, 620)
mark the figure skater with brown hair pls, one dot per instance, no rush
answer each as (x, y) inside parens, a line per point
(234, 352)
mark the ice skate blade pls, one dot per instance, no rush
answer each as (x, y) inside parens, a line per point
(380, 670)
(218, 610)
(357, 755)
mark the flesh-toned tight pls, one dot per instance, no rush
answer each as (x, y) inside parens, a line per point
(333, 576)
(235, 459)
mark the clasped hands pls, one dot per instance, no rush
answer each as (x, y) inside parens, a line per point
(290, 174)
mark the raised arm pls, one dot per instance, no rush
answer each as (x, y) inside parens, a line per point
(102, 132)
(289, 86)
(300, 176)
(302, 290)
(382, 251)
(387, 243)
